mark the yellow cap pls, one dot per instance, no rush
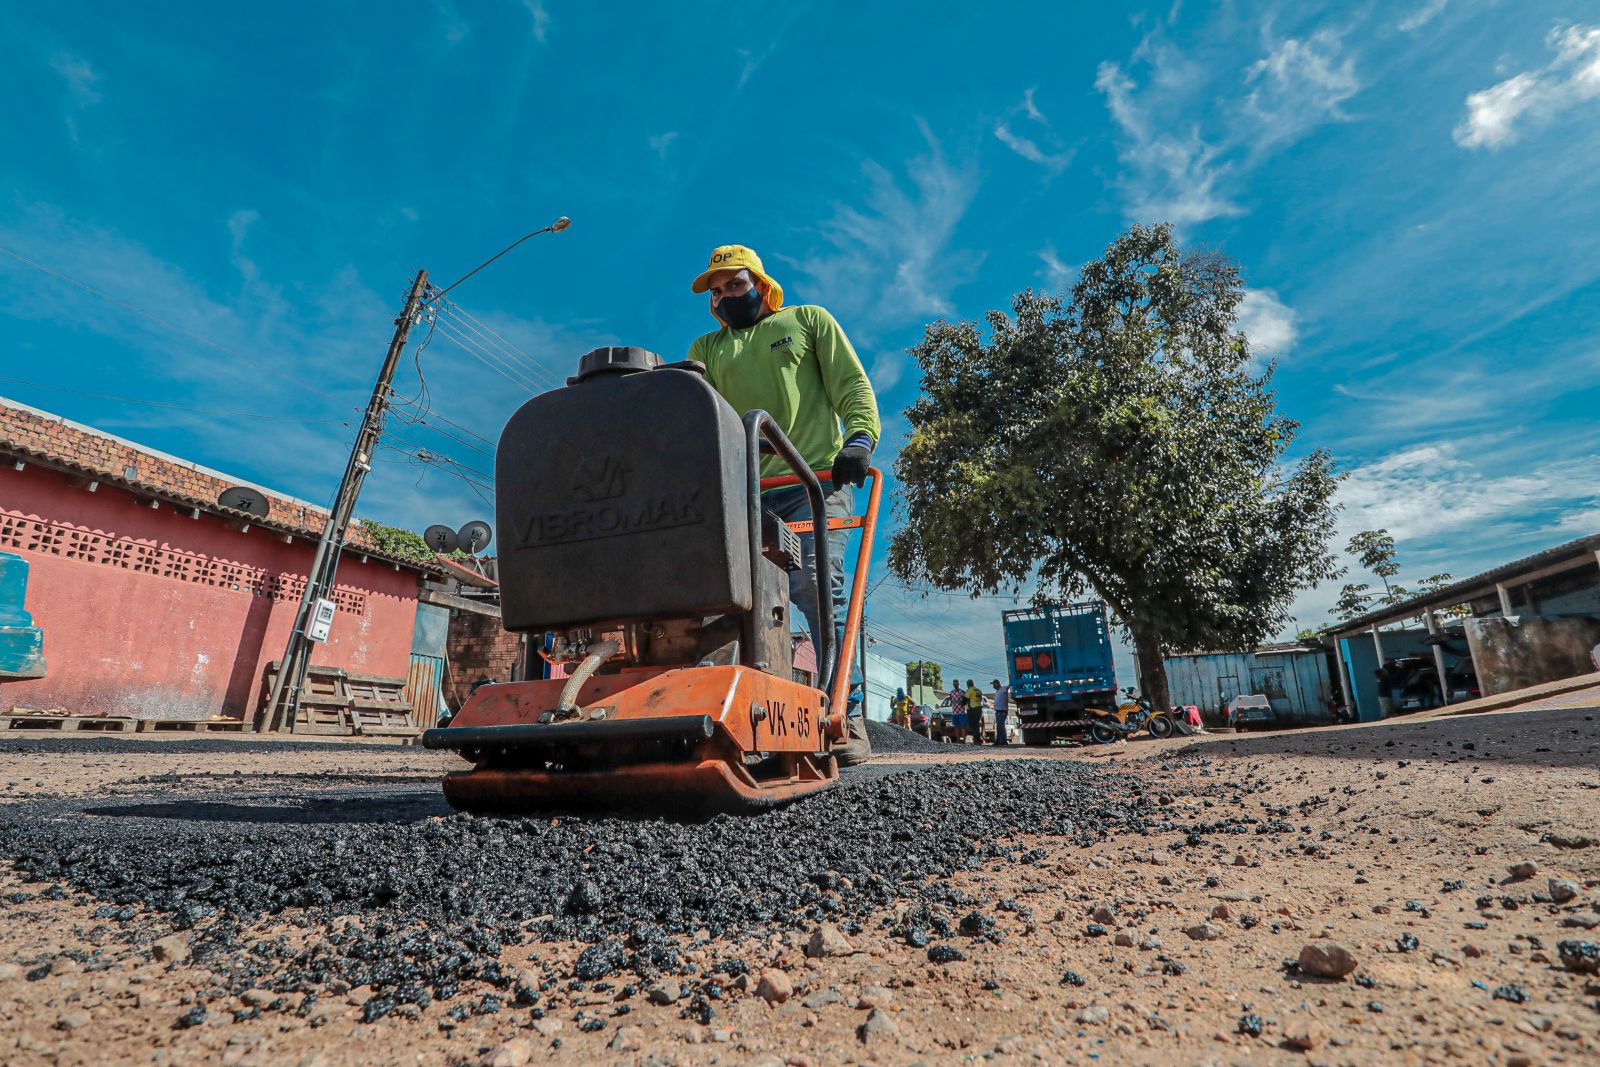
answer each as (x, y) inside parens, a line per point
(738, 257)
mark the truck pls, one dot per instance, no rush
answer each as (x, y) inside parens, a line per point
(1060, 664)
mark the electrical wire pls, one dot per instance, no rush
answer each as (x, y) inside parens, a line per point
(142, 313)
(502, 352)
(483, 328)
(478, 353)
(174, 406)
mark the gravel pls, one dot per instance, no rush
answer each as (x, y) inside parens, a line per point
(888, 738)
(440, 895)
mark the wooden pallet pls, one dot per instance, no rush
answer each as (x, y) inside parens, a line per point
(86, 724)
(192, 726)
(337, 703)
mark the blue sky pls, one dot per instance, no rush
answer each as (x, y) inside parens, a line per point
(1413, 189)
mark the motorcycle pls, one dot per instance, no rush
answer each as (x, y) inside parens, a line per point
(1132, 715)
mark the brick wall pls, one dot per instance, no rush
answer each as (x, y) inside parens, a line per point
(478, 647)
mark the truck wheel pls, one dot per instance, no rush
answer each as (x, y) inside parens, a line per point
(1103, 734)
(1161, 726)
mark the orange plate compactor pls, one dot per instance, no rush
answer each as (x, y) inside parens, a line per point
(636, 553)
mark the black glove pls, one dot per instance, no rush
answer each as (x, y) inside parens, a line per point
(850, 465)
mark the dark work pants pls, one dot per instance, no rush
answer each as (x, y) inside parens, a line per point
(975, 724)
(1000, 727)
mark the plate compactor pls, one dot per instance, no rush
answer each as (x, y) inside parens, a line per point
(636, 554)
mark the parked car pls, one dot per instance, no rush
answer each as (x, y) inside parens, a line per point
(1250, 709)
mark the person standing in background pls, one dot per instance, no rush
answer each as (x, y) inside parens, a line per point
(1002, 708)
(974, 699)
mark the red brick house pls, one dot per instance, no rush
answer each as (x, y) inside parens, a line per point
(154, 600)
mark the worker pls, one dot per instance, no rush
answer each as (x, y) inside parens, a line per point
(1002, 708)
(795, 363)
(901, 706)
(974, 699)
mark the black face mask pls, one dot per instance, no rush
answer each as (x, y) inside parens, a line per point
(741, 312)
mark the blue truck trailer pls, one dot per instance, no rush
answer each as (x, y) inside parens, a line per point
(1059, 659)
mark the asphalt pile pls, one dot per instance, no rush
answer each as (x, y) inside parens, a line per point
(890, 739)
(438, 897)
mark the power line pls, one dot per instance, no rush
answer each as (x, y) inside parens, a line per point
(497, 364)
(174, 406)
(123, 304)
(472, 320)
(502, 350)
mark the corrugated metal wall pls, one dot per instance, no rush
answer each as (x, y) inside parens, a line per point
(423, 683)
(1296, 683)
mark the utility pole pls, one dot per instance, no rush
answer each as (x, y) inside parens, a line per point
(283, 705)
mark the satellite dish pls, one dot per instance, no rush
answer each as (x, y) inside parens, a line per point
(474, 536)
(440, 538)
(242, 498)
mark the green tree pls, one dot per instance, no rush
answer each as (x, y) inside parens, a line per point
(924, 673)
(1122, 444)
(1375, 551)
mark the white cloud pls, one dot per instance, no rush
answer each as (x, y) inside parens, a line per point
(541, 19)
(1031, 109)
(661, 142)
(1422, 16)
(896, 242)
(1448, 512)
(81, 77)
(1055, 162)
(1058, 276)
(1268, 322)
(1299, 84)
(1175, 169)
(1533, 98)
(1053, 157)
(1170, 177)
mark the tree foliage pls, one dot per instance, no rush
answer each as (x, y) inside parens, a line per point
(1375, 551)
(398, 543)
(924, 673)
(1121, 444)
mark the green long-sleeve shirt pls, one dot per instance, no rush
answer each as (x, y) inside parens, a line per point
(798, 366)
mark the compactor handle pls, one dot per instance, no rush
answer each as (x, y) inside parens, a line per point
(839, 691)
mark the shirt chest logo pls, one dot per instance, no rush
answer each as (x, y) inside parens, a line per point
(781, 342)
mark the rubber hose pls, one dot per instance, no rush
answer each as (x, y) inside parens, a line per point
(591, 663)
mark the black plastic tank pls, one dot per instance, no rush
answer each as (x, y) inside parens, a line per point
(622, 498)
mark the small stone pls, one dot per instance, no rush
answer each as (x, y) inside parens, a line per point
(1094, 1013)
(258, 998)
(73, 1020)
(1580, 956)
(775, 987)
(547, 1028)
(1124, 939)
(174, 949)
(1203, 932)
(1222, 913)
(822, 999)
(10, 972)
(1563, 890)
(828, 940)
(1472, 951)
(1104, 913)
(1304, 1034)
(514, 1053)
(665, 991)
(1446, 958)
(875, 997)
(879, 1025)
(627, 1039)
(1327, 959)
(1524, 869)
(1239, 860)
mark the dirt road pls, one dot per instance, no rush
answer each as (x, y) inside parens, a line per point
(1161, 902)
